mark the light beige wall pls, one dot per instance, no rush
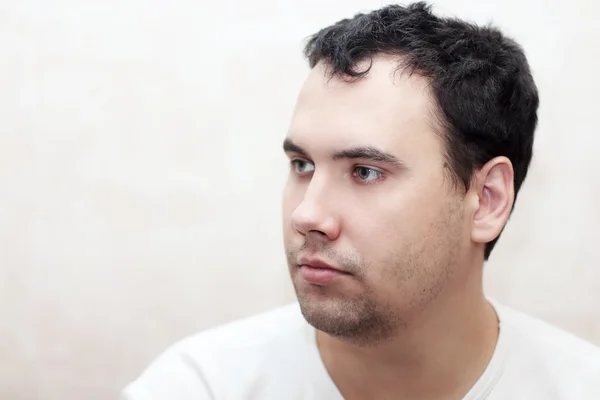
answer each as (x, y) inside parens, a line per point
(140, 175)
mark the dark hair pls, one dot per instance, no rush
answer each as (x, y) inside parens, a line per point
(485, 94)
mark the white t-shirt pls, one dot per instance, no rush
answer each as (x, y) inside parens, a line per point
(274, 356)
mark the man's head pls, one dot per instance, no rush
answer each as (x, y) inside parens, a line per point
(408, 144)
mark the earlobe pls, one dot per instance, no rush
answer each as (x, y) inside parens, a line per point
(494, 183)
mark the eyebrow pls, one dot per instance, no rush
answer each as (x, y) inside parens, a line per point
(368, 153)
(291, 147)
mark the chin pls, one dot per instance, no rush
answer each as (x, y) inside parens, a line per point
(356, 320)
(325, 313)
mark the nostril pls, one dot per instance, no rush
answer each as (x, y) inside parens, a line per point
(318, 233)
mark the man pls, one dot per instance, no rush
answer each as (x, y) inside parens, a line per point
(409, 142)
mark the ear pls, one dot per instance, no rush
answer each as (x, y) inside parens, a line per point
(494, 189)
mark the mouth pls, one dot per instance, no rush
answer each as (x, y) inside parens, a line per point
(320, 273)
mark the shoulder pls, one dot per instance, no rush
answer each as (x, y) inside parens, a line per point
(256, 333)
(572, 362)
(207, 361)
(558, 342)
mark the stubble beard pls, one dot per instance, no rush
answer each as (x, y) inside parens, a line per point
(358, 319)
(368, 319)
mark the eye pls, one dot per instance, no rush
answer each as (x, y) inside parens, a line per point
(367, 175)
(302, 167)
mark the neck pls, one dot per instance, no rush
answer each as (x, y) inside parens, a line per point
(440, 355)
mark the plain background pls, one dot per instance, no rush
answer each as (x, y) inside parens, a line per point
(141, 173)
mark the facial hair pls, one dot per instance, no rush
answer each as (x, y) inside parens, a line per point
(420, 268)
(358, 319)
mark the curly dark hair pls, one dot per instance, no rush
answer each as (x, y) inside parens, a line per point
(485, 95)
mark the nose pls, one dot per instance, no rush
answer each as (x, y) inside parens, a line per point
(316, 215)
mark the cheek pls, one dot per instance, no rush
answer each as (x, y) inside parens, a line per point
(396, 234)
(291, 199)
(394, 220)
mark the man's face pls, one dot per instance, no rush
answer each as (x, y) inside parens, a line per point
(368, 194)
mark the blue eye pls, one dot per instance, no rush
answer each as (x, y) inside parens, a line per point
(367, 175)
(302, 167)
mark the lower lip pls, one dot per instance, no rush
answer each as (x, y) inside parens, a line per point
(320, 276)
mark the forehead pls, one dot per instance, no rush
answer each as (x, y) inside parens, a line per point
(387, 108)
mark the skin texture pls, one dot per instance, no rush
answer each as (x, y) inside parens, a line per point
(369, 193)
